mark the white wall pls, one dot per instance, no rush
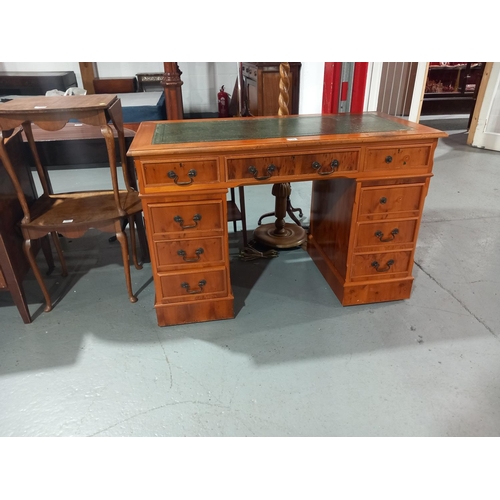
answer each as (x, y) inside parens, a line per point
(201, 80)
(311, 87)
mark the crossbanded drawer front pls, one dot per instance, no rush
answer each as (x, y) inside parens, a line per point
(383, 233)
(396, 158)
(189, 252)
(391, 201)
(185, 218)
(381, 265)
(322, 165)
(180, 173)
(190, 286)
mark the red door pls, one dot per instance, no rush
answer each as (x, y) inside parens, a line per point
(344, 87)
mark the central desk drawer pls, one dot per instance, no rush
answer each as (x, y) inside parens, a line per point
(321, 165)
(180, 173)
(189, 252)
(193, 285)
(185, 218)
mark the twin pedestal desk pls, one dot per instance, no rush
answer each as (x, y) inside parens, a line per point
(370, 176)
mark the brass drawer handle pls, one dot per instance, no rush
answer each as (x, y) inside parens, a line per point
(388, 159)
(334, 165)
(192, 173)
(270, 169)
(201, 284)
(198, 252)
(380, 235)
(180, 220)
(376, 265)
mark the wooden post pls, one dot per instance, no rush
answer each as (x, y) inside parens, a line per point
(173, 92)
(88, 70)
(284, 96)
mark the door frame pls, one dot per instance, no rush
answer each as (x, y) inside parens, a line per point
(480, 112)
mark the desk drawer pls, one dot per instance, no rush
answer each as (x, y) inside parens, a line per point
(180, 173)
(185, 218)
(193, 285)
(381, 265)
(397, 201)
(397, 158)
(322, 165)
(189, 252)
(383, 233)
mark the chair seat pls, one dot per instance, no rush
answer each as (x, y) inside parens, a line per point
(89, 209)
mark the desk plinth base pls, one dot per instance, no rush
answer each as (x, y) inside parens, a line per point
(293, 236)
(356, 293)
(195, 311)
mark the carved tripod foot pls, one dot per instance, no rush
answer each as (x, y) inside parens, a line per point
(281, 234)
(289, 210)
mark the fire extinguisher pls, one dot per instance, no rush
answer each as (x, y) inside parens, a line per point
(223, 100)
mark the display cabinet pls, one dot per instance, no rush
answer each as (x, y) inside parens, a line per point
(451, 88)
(261, 85)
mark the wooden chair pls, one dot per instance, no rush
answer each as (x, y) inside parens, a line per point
(13, 263)
(72, 214)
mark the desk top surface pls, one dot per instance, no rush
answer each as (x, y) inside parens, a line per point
(47, 104)
(153, 137)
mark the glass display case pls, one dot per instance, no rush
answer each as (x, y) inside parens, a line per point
(451, 87)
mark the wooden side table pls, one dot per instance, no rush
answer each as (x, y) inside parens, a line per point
(53, 113)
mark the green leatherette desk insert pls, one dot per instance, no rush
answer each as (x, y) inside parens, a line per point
(271, 128)
(370, 174)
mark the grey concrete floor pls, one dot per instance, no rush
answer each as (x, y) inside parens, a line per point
(293, 362)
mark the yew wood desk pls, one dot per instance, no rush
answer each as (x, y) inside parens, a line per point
(370, 176)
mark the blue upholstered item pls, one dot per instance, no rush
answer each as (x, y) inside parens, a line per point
(135, 112)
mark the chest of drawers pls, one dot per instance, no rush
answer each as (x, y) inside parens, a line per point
(370, 177)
